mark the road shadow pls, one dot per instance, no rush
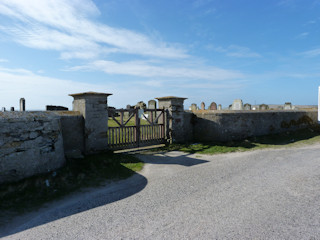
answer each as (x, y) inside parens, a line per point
(96, 197)
(76, 203)
(171, 158)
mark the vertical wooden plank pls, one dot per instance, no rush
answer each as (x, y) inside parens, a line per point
(122, 134)
(164, 124)
(137, 120)
(112, 136)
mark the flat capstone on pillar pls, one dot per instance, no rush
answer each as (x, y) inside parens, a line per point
(94, 108)
(175, 117)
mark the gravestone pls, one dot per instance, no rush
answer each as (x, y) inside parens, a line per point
(203, 106)
(237, 104)
(287, 106)
(126, 115)
(22, 104)
(263, 107)
(12, 109)
(193, 107)
(3, 109)
(213, 106)
(230, 107)
(152, 104)
(220, 107)
(247, 107)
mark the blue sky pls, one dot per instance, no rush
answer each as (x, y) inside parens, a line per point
(264, 51)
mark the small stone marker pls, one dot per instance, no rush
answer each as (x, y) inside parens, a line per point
(203, 106)
(220, 107)
(247, 107)
(22, 104)
(213, 106)
(287, 106)
(237, 104)
(3, 109)
(12, 109)
(193, 107)
(263, 107)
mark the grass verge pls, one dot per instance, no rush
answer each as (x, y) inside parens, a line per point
(91, 171)
(286, 139)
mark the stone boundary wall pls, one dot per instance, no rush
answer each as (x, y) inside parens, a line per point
(32, 142)
(236, 125)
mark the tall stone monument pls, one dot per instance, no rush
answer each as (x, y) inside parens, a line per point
(22, 104)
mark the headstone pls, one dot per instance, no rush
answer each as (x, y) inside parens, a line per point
(220, 107)
(213, 106)
(230, 107)
(203, 106)
(126, 114)
(193, 107)
(263, 107)
(152, 104)
(237, 104)
(247, 107)
(287, 106)
(12, 109)
(3, 109)
(22, 104)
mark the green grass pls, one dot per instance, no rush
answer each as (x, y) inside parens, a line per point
(77, 174)
(113, 123)
(287, 139)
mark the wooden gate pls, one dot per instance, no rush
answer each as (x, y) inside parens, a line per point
(132, 128)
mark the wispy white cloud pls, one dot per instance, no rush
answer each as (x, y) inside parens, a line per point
(3, 60)
(302, 35)
(144, 69)
(40, 90)
(67, 26)
(312, 53)
(236, 51)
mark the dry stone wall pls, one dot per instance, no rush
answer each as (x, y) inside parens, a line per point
(30, 143)
(236, 125)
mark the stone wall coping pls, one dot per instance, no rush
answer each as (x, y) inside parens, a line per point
(245, 111)
(170, 97)
(90, 94)
(37, 114)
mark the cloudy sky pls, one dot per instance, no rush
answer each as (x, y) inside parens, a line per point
(264, 51)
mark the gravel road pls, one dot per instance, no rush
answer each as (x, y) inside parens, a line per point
(265, 194)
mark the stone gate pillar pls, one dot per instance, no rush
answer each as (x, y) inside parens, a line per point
(175, 117)
(94, 108)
